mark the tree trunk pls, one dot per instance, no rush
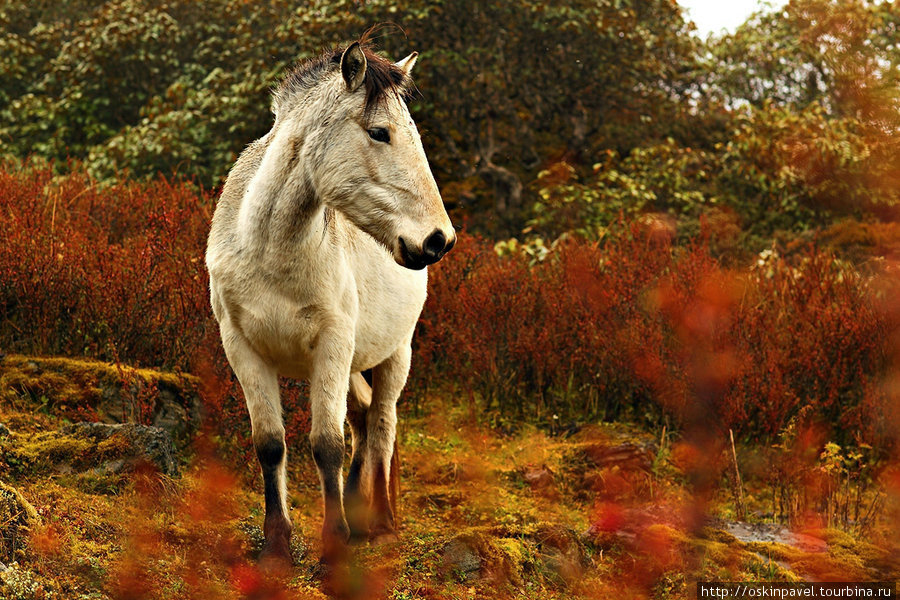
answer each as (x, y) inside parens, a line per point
(507, 186)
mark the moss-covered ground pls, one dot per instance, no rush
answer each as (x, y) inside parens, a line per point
(605, 512)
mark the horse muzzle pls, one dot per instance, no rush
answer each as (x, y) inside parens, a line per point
(433, 249)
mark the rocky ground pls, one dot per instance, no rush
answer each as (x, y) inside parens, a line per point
(95, 506)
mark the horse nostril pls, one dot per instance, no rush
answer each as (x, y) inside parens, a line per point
(434, 245)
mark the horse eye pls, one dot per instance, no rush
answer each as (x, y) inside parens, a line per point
(380, 134)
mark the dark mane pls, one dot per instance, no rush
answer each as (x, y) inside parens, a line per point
(382, 77)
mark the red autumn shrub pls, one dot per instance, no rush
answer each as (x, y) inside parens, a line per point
(542, 340)
(118, 274)
(635, 324)
(815, 336)
(630, 327)
(105, 272)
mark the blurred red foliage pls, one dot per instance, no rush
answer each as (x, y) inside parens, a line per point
(190, 530)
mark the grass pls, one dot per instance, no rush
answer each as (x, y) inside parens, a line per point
(473, 524)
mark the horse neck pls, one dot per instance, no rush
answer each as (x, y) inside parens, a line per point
(280, 205)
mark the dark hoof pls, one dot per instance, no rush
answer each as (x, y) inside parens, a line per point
(276, 557)
(358, 522)
(383, 533)
(276, 551)
(357, 511)
(358, 538)
(335, 541)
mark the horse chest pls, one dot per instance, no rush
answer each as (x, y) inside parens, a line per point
(390, 301)
(373, 312)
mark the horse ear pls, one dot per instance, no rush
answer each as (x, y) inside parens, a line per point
(406, 65)
(353, 66)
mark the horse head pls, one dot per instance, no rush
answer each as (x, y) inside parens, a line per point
(365, 158)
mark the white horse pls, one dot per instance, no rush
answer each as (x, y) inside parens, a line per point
(316, 258)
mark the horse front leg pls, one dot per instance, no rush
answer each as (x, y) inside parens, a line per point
(259, 381)
(382, 461)
(329, 386)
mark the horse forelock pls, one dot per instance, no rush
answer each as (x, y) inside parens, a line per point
(383, 78)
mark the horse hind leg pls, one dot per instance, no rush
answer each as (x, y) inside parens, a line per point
(260, 385)
(382, 461)
(356, 498)
(394, 481)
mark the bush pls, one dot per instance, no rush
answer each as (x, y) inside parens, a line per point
(663, 178)
(782, 173)
(632, 327)
(112, 273)
(636, 327)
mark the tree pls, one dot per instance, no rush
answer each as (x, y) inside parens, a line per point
(510, 85)
(841, 54)
(153, 85)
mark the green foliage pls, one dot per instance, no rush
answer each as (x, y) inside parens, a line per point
(798, 111)
(143, 85)
(800, 169)
(147, 86)
(663, 178)
(783, 171)
(559, 76)
(841, 54)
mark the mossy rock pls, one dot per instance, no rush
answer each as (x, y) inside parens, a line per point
(819, 554)
(476, 554)
(859, 556)
(88, 390)
(17, 517)
(99, 448)
(560, 553)
(500, 555)
(588, 463)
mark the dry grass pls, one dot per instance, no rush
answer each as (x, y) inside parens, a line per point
(606, 511)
